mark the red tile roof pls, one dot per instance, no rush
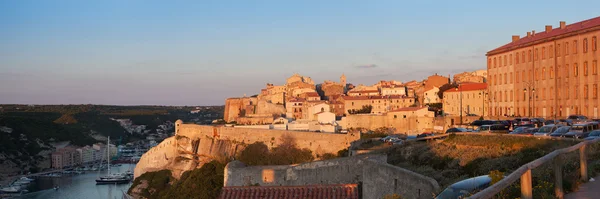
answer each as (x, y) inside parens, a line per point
(312, 94)
(365, 91)
(408, 109)
(374, 97)
(468, 87)
(345, 191)
(556, 32)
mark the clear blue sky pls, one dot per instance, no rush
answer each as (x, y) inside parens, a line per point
(201, 52)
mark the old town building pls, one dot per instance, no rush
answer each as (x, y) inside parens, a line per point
(553, 73)
(471, 98)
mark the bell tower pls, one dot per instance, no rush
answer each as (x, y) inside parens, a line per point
(343, 80)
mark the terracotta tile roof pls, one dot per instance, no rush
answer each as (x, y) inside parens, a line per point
(296, 100)
(468, 87)
(365, 91)
(374, 97)
(312, 94)
(526, 41)
(345, 191)
(408, 109)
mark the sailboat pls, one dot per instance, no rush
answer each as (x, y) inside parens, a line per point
(112, 178)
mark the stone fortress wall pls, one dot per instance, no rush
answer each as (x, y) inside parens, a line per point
(194, 145)
(371, 171)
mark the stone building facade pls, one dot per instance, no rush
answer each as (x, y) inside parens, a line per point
(474, 100)
(553, 73)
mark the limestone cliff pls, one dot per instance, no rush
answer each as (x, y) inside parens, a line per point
(193, 145)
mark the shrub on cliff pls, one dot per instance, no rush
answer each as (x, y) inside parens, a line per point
(287, 152)
(205, 182)
(158, 182)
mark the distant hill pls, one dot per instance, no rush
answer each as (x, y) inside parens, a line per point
(27, 131)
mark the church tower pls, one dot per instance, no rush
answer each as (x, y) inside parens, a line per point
(343, 80)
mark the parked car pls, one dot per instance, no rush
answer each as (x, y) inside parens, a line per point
(482, 122)
(538, 122)
(465, 188)
(547, 130)
(524, 131)
(577, 119)
(593, 135)
(456, 130)
(422, 135)
(579, 131)
(397, 142)
(484, 128)
(390, 138)
(522, 121)
(560, 131)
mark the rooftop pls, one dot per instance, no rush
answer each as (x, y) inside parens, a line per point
(408, 109)
(347, 191)
(543, 36)
(374, 97)
(365, 91)
(468, 87)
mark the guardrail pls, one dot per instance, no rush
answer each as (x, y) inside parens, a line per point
(524, 173)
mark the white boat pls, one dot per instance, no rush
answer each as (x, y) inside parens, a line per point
(26, 179)
(11, 189)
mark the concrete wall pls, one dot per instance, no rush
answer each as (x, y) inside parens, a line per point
(409, 125)
(378, 177)
(383, 179)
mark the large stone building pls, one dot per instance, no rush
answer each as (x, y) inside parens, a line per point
(473, 100)
(553, 73)
(379, 104)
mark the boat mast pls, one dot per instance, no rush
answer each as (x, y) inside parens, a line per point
(108, 154)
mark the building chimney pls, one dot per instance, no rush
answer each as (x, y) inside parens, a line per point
(532, 32)
(563, 24)
(528, 34)
(548, 28)
(515, 38)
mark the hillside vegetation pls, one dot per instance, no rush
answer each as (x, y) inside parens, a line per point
(205, 182)
(461, 157)
(28, 131)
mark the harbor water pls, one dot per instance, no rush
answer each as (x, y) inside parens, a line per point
(78, 186)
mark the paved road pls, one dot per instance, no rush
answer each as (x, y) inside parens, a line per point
(588, 190)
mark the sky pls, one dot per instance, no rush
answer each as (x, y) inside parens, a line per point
(132, 52)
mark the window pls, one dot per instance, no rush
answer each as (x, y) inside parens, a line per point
(585, 91)
(505, 60)
(537, 75)
(505, 82)
(595, 91)
(566, 70)
(517, 58)
(505, 97)
(543, 73)
(495, 82)
(585, 68)
(529, 56)
(523, 75)
(543, 93)
(585, 45)
(511, 77)
(551, 51)
(594, 43)
(594, 67)
(494, 62)
(543, 52)
(535, 55)
(566, 48)
(489, 63)
(557, 49)
(517, 77)
(567, 93)
(551, 70)
(511, 96)
(574, 46)
(523, 57)
(575, 70)
(510, 58)
(551, 93)
(499, 61)
(576, 92)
